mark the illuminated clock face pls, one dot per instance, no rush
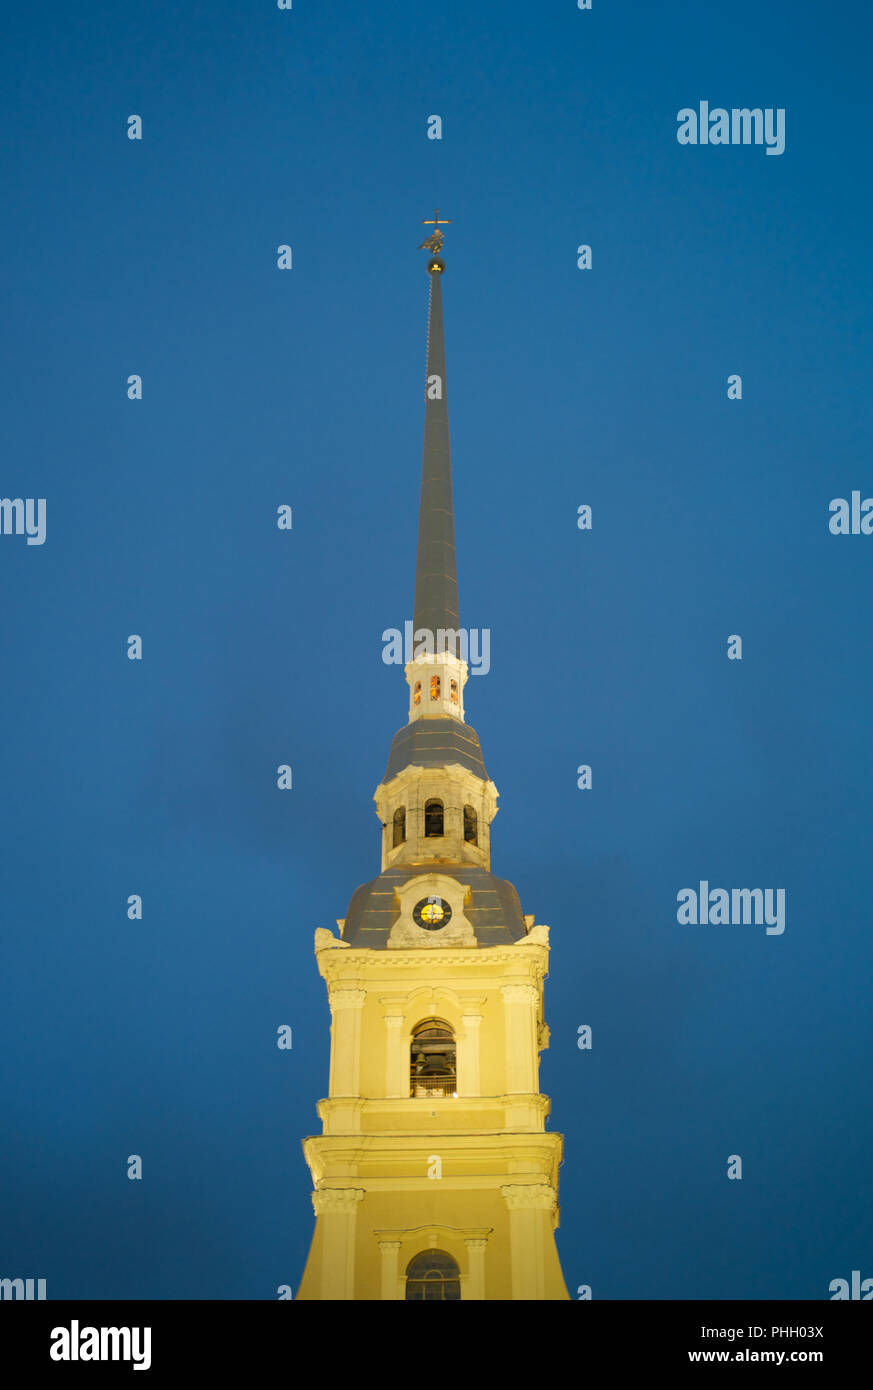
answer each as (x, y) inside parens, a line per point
(432, 913)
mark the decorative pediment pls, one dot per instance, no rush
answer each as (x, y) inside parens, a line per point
(431, 908)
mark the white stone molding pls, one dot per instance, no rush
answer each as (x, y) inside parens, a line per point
(407, 933)
(336, 1199)
(326, 941)
(530, 1197)
(390, 1280)
(520, 994)
(448, 668)
(346, 998)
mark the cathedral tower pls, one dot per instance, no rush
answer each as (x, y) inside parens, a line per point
(434, 1175)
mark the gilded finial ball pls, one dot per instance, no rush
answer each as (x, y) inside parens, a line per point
(435, 265)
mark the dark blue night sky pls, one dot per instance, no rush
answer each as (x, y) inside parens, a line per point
(262, 647)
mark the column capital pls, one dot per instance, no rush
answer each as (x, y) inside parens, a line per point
(520, 994)
(477, 1243)
(524, 1196)
(346, 998)
(343, 1199)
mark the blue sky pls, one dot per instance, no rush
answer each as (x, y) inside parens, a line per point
(606, 387)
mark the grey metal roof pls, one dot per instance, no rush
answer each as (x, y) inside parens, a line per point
(435, 743)
(495, 910)
(436, 580)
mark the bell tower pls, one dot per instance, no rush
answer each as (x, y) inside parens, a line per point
(434, 1176)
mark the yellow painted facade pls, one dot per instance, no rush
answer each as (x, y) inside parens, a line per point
(475, 1175)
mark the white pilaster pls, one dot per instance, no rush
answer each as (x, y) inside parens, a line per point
(520, 1006)
(345, 1054)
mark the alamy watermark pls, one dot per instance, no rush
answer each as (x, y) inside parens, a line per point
(851, 516)
(861, 1290)
(741, 125)
(22, 1288)
(472, 645)
(75, 1343)
(738, 907)
(23, 515)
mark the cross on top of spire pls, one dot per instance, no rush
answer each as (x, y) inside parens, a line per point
(434, 242)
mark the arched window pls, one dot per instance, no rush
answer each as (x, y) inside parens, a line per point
(471, 825)
(433, 818)
(432, 1060)
(454, 692)
(433, 1276)
(399, 826)
(434, 687)
(416, 694)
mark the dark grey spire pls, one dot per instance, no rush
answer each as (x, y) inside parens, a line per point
(436, 735)
(436, 581)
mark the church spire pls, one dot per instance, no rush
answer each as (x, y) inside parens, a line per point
(436, 581)
(436, 648)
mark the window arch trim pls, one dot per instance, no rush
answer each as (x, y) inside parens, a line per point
(433, 1276)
